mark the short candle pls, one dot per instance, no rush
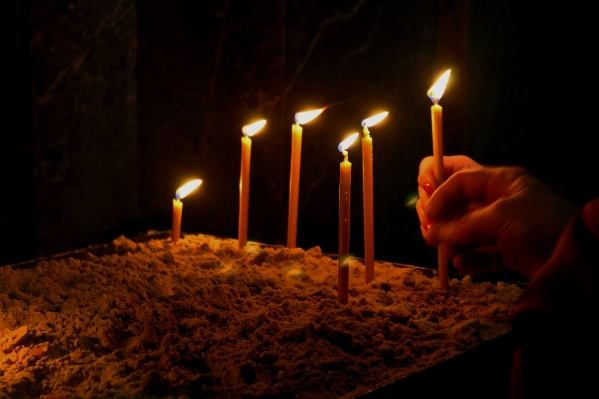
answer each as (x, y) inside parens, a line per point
(181, 193)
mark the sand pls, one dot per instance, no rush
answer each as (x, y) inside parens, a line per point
(205, 319)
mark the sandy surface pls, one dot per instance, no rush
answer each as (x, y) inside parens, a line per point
(204, 319)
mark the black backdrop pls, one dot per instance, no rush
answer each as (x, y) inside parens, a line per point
(109, 107)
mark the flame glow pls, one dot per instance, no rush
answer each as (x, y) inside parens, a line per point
(250, 130)
(307, 116)
(344, 145)
(373, 120)
(437, 90)
(187, 188)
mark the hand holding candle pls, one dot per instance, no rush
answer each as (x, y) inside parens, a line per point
(181, 193)
(344, 200)
(435, 93)
(294, 176)
(368, 194)
(244, 180)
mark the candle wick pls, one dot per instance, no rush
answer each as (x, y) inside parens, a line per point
(177, 196)
(432, 97)
(366, 131)
(345, 153)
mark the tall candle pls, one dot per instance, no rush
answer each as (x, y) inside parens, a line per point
(294, 176)
(181, 193)
(435, 93)
(244, 180)
(344, 213)
(367, 188)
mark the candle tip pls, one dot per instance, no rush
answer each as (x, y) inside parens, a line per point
(251, 129)
(307, 116)
(344, 145)
(437, 89)
(373, 120)
(187, 188)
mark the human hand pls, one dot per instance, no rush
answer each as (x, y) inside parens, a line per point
(493, 218)
(427, 183)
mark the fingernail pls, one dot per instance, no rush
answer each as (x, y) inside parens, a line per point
(428, 188)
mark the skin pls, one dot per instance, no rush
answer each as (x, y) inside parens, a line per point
(490, 218)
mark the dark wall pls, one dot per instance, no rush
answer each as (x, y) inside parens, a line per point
(130, 99)
(530, 69)
(206, 69)
(17, 200)
(84, 120)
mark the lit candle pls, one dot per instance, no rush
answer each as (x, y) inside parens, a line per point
(344, 199)
(368, 194)
(244, 180)
(181, 193)
(435, 93)
(294, 177)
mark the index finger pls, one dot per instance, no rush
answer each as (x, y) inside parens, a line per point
(451, 165)
(470, 186)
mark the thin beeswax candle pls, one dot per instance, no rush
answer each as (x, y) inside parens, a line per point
(435, 93)
(367, 188)
(344, 213)
(244, 180)
(294, 176)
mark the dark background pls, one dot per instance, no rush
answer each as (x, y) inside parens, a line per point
(109, 106)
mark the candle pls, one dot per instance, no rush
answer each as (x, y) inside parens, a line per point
(367, 188)
(294, 176)
(181, 193)
(435, 93)
(244, 180)
(344, 200)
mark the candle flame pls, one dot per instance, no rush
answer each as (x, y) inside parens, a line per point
(344, 145)
(250, 130)
(437, 90)
(373, 120)
(187, 188)
(307, 116)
